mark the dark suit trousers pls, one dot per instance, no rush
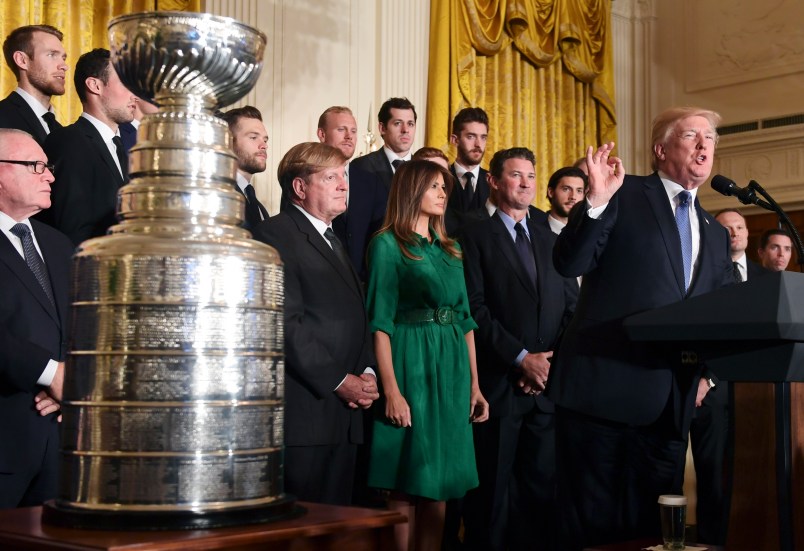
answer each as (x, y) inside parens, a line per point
(709, 435)
(514, 505)
(610, 475)
(38, 477)
(321, 474)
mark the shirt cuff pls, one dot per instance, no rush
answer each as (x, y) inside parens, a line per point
(47, 375)
(370, 371)
(339, 384)
(520, 357)
(595, 212)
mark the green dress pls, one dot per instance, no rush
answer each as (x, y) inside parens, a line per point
(433, 458)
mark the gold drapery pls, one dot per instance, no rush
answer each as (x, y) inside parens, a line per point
(83, 23)
(541, 69)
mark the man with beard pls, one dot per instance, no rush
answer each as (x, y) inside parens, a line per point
(366, 197)
(90, 161)
(565, 188)
(397, 125)
(470, 129)
(250, 146)
(35, 55)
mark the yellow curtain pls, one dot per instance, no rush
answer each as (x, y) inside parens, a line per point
(542, 70)
(83, 23)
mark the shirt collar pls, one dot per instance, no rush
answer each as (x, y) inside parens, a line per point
(672, 189)
(34, 104)
(6, 222)
(105, 131)
(319, 225)
(242, 182)
(510, 223)
(391, 156)
(460, 171)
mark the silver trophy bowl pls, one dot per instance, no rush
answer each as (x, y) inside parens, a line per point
(173, 400)
(169, 54)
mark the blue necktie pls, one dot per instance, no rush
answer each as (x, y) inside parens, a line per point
(685, 233)
(32, 259)
(523, 248)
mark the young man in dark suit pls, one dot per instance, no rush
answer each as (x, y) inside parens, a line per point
(367, 197)
(397, 125)
(327, 342)
(470, 129)
(250, 146)
(623, 408)
(35, 263)
(91, 162)
(520, 304)
(35, 55)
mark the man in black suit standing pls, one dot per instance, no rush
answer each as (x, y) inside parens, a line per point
(470, 129)
(327, 341)
(91, 162)
(397, 125)
(35, 55)
(623, 408)
(520, 304)
(34, 301)
(250, 146)
(367, 198)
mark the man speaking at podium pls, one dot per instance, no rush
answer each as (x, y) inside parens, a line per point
(624, 408)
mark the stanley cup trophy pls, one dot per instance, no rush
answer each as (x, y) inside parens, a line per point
(173, 398)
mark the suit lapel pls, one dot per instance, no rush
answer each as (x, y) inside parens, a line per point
(101, 149)
(657, 198)
(506, 245)
(30, 117)
(17, 265)
(318, 242)
(703, 228)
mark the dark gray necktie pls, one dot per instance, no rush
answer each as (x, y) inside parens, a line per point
(337, 247)
(469, 190)
(525, 252)
(396, 162)
(33, 259)
(254, 209)
(50, 120)
(122, 156)
(738, 275)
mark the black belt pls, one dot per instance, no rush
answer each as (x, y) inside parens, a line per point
(441, 316)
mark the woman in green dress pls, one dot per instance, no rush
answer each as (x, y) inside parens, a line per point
(422, 449)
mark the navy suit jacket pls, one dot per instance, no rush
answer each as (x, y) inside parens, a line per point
(368, 200)
(84, 195)
(512, 313)
(631, 262)
(376, 163)
(32, 331)
(16, 113)
(326, 332)
(128, 135)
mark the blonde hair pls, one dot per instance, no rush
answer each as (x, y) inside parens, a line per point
(665, 123)
(305, 159)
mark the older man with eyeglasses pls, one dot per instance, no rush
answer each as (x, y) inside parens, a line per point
(34, 301)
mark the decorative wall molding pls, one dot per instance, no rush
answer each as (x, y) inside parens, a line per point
(751, 41)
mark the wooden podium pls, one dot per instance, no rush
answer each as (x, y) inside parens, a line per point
(322, 528)
(751, 334)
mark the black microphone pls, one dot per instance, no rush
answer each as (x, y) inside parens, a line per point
(746, 196)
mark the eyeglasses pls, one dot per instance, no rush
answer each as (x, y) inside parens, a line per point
(38, 166)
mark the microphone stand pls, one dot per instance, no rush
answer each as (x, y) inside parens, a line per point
(782, 399)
